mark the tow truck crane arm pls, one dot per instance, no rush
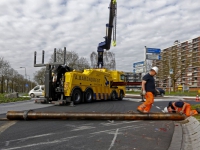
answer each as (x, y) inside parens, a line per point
(111, 26)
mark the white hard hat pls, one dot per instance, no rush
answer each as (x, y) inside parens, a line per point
(155, 69)
(165, 110)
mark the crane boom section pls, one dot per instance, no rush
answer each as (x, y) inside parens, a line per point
(109, 29)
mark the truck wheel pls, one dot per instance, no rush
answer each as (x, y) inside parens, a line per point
(113, 95)
(76, 96)
(121, 95)
(32, 95)
(88, 96)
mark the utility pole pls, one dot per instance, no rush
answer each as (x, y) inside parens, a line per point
(169, 75)
(145, 60)
(25, 76)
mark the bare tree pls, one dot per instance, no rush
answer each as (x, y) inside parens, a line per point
(72, 60)
(19, 83)
(108, 59)
(4, 67)
(82, 64)
(93, 59)
(39, 76)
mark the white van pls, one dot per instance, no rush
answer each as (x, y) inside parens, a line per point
(36, 91)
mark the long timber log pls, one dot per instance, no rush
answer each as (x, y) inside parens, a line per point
(31, 115)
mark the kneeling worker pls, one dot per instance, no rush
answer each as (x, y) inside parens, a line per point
(182, 108)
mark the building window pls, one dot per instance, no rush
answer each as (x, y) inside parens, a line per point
(195, 40)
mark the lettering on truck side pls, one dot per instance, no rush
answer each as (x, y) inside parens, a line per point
(84, 78)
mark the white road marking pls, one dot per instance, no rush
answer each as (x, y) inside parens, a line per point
(113, 141)
(6, 126)
(114, 124)
(83, 128)
(157, 107)
(42, 143)
(111, 121)
(31, 137)
(122, 128)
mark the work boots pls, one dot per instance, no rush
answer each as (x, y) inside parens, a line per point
(198, 110)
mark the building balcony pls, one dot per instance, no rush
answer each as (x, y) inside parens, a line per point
(194, 52)
(184, 77)
(184, 45)
(196, 71)
(195, 41)
(194, 46)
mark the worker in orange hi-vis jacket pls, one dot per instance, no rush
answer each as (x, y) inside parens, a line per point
(182, 108)
(148, 90)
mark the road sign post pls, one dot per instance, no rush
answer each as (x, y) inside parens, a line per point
(153, 50)
(151, 54)
(138, 67)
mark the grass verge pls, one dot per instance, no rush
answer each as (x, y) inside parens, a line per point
(3, 99)
(194, 107)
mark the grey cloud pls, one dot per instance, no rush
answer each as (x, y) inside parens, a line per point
(28, 26)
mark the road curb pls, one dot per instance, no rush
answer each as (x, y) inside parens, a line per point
(186, 135)
(16, 102)
(177, 137)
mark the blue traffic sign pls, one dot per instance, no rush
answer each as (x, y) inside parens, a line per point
(26, 85)
(138, 64)
(153, 50)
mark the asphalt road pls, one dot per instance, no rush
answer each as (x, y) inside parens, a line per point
(86, 134)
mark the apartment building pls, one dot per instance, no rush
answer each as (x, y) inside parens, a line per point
(180, 63)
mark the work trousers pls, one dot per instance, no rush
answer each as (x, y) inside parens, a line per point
(188, 111)
(146, 106)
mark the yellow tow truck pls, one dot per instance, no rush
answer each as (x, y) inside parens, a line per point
(63, 84)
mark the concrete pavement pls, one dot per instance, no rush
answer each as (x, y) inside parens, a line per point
(186, 135)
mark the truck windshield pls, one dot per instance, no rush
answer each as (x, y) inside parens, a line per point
(122, 77)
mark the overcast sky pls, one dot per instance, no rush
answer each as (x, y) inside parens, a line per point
(79, 25)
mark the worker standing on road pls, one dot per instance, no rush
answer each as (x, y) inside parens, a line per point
(148, 90)
(182, 108)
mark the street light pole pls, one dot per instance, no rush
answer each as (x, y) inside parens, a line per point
(25, 71)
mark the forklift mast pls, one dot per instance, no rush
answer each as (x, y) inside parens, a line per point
(110, 27)
(50, 67)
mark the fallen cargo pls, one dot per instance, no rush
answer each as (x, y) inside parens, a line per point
(31, 115)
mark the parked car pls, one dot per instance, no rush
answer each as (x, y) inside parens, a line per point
(37, 91)
(160, 92)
